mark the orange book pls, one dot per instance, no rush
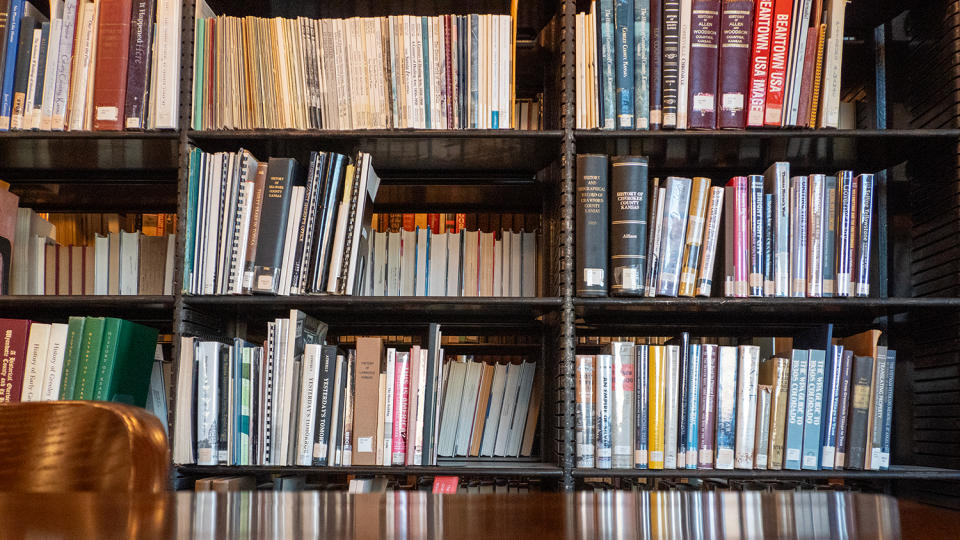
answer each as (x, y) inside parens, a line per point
(366, 400)
(479, 420)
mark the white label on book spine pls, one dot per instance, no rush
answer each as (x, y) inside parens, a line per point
(593, 276)
(829, 455)
(364, 444)
(604, 452)
(810, 460)
(585, 450)
(656, 455)
(733, 102)
(631, 278)
(703, 102)
(622, 450)
(108, 113)
(875, 458)
(884, 460)
(319, 449)
(793, 454)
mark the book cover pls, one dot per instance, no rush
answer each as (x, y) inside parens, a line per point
(90, 348)
(622, 404)
(864, 233)
(757, 241)
(282, 175)
(126, 359)
(14, 19)
(693, 244)
(798, 236)
(832, 375)
(628, 224)
(726, 407)
(671, 407)
(658, 194)
(683, 79)
(657, 404)
(401, 403)
(707, 411)
(641, 406)
(861, 379)
(796, 408)
(683, 389)
(208, 401)
(13, 358)
(110, 76)
(656, 63)
(691, 443)
(703, 66)
(777, 71)
(816, 228)
(624, 63)
(604, 389)
(762, 437)
(759, 66)
(884, 461)
(608, 68)
(369, 355)
(325, 389)
(777, 183)
(740, 216)
(830, 207)
(843, 409)
(775, 373)
(592, 223)
(813, 416)
(769, 287)
(642, 63)
(844, 243)
(675, 216)
(670, 77)
(28, 24)
(878, 396)
(736, 39)
(746, 406)
(711, 233)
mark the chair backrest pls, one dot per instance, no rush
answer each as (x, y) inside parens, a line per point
(81, 446)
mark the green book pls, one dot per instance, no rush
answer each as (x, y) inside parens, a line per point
(71, 357)
(126, 359)
(89, 358)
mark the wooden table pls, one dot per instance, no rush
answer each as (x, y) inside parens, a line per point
(543, 516)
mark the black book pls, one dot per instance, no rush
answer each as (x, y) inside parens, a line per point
(592, 223)
(755, 194)
(683, 387)
(628, 224)
(656, 59)
(670, 80)
(331, 193)
(4, 30)
(431, 395)
(41, 73)
(321, 435)
(223, 414)
(860, 381)
(282, 175)
(308, 219)
(768, 283)
(341, 410)
(22, 71)
(138, 65)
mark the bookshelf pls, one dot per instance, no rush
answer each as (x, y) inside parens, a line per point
(534, 171)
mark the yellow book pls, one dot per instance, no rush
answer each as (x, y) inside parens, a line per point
(817, 77)
(657, 399)
(775, 372)
(699, 191)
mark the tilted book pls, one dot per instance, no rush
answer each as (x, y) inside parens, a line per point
(693, 242)
(675, 213)
(711, 233)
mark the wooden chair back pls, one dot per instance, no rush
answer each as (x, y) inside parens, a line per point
(58, 446)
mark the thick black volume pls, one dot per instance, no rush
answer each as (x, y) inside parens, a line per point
(628, 224)
(592, 218)
(860, 382)
(282, 175)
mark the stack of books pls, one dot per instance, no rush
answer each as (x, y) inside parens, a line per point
(810, 403)
(801, 236)
(104, 359)
(401, 71)
(296, 400)
(107, 65)
(272, 228)
(709, 64)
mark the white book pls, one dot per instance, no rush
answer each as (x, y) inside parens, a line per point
(671, 377)
(308, 403)
(208, 402)
(53, 370)
(471, 262)
(388, 406)
(339, 237)
(378, 264)
(25, 119)
(468, 408)
(454, 258)
(86, 48)
(129, 262)
(335, 427)
(408, 266)
(165, 99)
(816, 230)
(422, 270)
(493, 92)
(506, 71)
(762, 439)
(230, 194)
(527, 373)
(61, 93)
(528, 264)
(394, 262)
(683, 79)
(486, 263)
(170, 258)
(516, 264)
(186, 392)
(450, 413)
(42, 120)
(297, 196)
(282, 390)
(438, 265)
(37, 342)
(207, 245)
(832, 63)
(492, 421)
(510, 397)
(497, 267)
(101, 264)
(504, 262)
(746, 407)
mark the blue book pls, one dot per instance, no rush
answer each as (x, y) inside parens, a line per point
(726, 407)
(888, 410)
(814, 411)
(474, 71)
(832, 375)
(795, 408)
(623, 57)
(604, 389)
(10, 62)
(607, 61)
(425, 38)
(641, 64)
(190, 236)
(693, 404)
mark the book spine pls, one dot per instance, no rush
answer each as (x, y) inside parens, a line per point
(832, 64)
(25, 112)
(814, 410)
(762, 436)
(671, 405)
(608, 64)
(778, 183)
(657, 400)
(757, 241)
(746, 406)
(711, 235)
(760, 63)
(592, 223)
(778, 413)
(844, 247)
(683, 387)
(624, 63)
(9, 65)
(208, 380)
(865, 215)
(875, 427)
(671, 62)
(741, 243)
(798, 236)
(831, 403)
(736, 33)
(653, 251)
(693, 244)
(656, 62)
(795, 410)
(729, 241)
(109, 87)
(861, 380)
(39, 72)
(21, 75)
(707, 410)
(806, 85)
(726, 407)
(815, 235)
(843, 409)
(622, 407)
(817, 77)
(401, 402)
(628, 225)
(884, 461)
(138, 68)
(694, 370)
(676, 209)
(683, 73)
(604, 444)
(585, 419)
(642, 60)
(65, 52)
(641, 406)
(830, 206)
(704, 56)
(779, 49)
(769, 287)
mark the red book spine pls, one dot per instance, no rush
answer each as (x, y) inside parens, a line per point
(708, 410)
(110, 79)
(13, 358)
(704, 41)
(736, 31)
(433, 221)
(760, 62)
(806, 82)
(779, 47)
(401, 399)
(409, 222)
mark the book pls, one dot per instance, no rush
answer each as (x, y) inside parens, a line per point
(798, 236)
(864, 233)
(796, 407)
(607, 57)
(671, 376)
(711, 233)
(675, 215)
(812, 425)
(592, 223)
(777, 71)
(126, 360)
(622, 404)
(604, 432)
(861, 380)
(755, 200)
(843, 409)
(365, 443)
(726, 407)
(641, 405)
(746, 419)
(657, 405)
(110, 74)
(736, 38)
(281, 177)
(760, 62)
(642, 62)
(694, 244)
(656, 63)
(774, 372)
(762, 437)
(707, 411)
(624, 58)
(670, 69)
(628, 224)
(832, 376)
(691, 443)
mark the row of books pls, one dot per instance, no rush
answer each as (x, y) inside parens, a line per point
(800, 236)
(454, 222)
(467, 263)
(707, 64)
(273, 228)
(816, 403)
(80, 229)
(90, 65)
(401, 71)
(104, 359)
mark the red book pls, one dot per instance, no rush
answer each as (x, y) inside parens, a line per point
(445, 484)
(110, 79)
(409, 222)
(736, 31)
(13, 358)
(433, 221)
(741, 236)
(704, 40)
(759, 63)
(779, 49)
(401, 399)
(806, 81)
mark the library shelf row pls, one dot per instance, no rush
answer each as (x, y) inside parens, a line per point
(895, 472)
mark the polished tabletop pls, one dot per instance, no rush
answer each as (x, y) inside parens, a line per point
(401, 514)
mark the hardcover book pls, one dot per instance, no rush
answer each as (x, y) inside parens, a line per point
(746, 406)
(628, 224)
(604, 388)
(592, 223)
(707, 410)
(622, 404)
(726, 407)
(760, 63)
(675, 213)
(703, 66)
(585, 418)
(657, 404)
(796, 407)
(736, 38)
(693, 244)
